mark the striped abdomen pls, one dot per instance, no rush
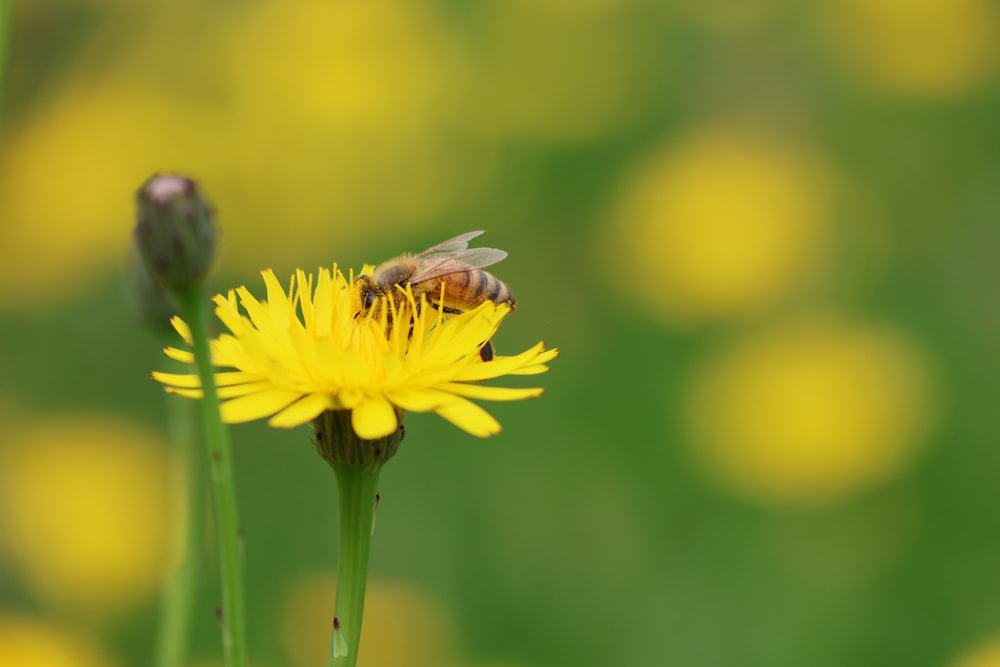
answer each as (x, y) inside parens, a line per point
(466, 290)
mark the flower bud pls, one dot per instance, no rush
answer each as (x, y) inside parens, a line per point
(175, 230)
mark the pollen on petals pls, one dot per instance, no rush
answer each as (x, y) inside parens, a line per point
(310, 348)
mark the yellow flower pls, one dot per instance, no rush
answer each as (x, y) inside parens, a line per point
(306, 351)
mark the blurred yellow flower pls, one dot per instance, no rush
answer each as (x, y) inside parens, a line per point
(403, 626)
(84, 511)
(27, 642)
(316, 117)
(985, 655)
(721, 224)
(926, 48)
(812, 411)
(293, 368)
(348, 111)
(557, 70)
(66, 178)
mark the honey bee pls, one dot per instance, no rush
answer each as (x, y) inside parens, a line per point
(449, 274)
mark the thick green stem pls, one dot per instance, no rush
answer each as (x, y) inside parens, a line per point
(357, 485)
(178, 598)
(356, 463)
(232, 618)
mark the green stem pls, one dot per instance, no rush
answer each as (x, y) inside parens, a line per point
(178, 598)
(356, 463)
(357, 484)
(194, 310)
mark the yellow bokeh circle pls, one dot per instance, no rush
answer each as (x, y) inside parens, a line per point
(721, 223)
(68, 177)
(307, 124)
(812, 411)
(402, 625)
(923, 48)
(986, 654)
(85, 512)
(28, 642)
(560, 71)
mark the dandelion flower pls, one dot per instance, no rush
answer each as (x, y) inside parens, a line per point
(313, 349)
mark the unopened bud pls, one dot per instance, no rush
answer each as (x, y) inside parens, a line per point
(175, 230)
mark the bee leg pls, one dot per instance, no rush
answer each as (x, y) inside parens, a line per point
(486, 351)
(448, 310)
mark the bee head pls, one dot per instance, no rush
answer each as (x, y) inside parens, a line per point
(368, 292)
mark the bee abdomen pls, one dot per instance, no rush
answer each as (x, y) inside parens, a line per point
(494, 289)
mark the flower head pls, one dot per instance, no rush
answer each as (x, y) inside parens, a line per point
(175, 230)
(314, 348)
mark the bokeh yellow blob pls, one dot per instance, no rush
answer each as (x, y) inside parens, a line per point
(812, 411)
(68, 176)
(559, 71)
(346, 112)
(85, 512)
(720, 224)
(923, 48)
(27, 642)
(985, 655)
(402, 625)
(307, 124)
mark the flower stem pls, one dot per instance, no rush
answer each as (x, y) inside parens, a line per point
(188, 529)
(356, 488)
(232, 618)
(356, 464)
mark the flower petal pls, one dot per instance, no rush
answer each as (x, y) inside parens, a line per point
(256, 406)
(486, 393)
(470, 418)
(505, 365)
(186, 393)
(301, 411)
(374, 418)
(178, 380)
(181, 327)
(235, 390)
(416, 400)
(183, 356)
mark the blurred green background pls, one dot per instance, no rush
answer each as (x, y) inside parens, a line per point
(763, 233)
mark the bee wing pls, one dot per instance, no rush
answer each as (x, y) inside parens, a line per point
(468, 259)
(447, 248)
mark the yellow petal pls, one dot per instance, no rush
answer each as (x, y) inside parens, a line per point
(276, 299)
(183, 356)
(470, 418)
(537, 366)
(487, 393)
(416, 400)
(301, 411)
(504, 365)
(233, 391)
(374, 418)
(229, 378)
(178, 380)
(256, 406)
(226, 311)
(181, 327)
(186, 393)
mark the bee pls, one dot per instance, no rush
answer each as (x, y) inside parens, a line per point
(449, 274)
